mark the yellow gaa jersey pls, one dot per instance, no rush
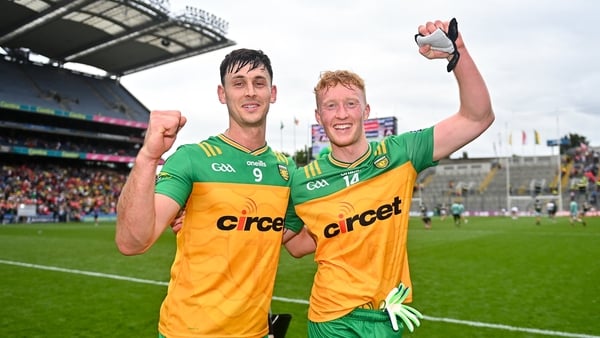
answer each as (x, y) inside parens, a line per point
(228, 249)
(358, 214)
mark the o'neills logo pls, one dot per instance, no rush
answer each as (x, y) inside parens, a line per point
(365, 218)
(247, 223)
(162, 176)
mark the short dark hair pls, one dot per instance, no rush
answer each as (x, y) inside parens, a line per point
(240, 58)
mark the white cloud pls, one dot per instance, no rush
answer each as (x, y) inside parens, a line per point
(538, 59)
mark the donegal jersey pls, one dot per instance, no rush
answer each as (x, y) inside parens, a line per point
(228, 249)
(358, 213)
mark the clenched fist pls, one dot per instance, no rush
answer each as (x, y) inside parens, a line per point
(162, 132)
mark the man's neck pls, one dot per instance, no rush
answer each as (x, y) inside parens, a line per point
(351, 153)
(251, 138)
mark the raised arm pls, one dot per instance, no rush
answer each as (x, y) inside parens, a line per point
(142, 215)
(475, 112)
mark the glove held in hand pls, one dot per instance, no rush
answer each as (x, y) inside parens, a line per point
(442, 41)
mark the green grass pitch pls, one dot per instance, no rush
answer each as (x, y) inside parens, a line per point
(492, 277)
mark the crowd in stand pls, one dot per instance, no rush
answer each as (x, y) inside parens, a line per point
(59, 189)
(64, 193)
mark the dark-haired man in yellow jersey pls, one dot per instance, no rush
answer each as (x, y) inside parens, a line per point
(355, 202)
(233, 190)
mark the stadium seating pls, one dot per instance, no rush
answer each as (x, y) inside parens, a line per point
(486, 185)
(58, 154)
(58, 88)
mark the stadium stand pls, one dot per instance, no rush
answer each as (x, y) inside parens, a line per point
(492, 186)
(68, 137)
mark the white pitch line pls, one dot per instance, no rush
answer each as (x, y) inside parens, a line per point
(290, 300)
(301, 301)
(86, 273)
(510, 328)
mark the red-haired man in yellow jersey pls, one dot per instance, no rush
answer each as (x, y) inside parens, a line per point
(355, 202)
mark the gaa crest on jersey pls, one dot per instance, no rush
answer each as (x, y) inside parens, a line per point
(284, 172)
(381, 162)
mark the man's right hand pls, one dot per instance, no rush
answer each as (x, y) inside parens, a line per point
(163, 127)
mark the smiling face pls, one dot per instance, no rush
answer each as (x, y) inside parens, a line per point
(248, 93)
(341, 110)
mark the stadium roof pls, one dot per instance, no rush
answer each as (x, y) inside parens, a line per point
(119, 37)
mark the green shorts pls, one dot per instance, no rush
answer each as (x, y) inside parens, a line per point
(357, 324)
